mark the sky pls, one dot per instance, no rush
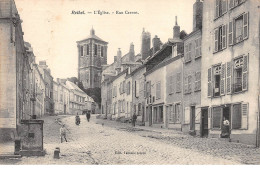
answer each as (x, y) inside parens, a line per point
(52, 30)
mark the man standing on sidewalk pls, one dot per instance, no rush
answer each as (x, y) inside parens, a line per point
(63, 133)
(134, 119)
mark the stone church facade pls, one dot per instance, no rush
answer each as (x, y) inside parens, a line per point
(92, 54)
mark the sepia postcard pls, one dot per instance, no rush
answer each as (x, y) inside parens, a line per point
(140, 82)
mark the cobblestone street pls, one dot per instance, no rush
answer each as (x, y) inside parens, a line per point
(119, 143)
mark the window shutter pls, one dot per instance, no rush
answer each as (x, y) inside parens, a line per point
(200, 46)
(245, 25)
(171, 84)
(197, 114)
(231, 4)
(224, 36)
(216, 40)
(222, 80)
(159, 90)
(196, 48)
(209, 82)
(209, 119)
(245, 73)
(191, 51)
(186, 49)
(135, 90)
(144, 89)
(119, 105)
(199, 80)
(229, 81)
(127, 88)
(185, 84)
(178, 82)
(230, 33)
(244, 112)
(189, 83)
(187, 115)
(172, 113)
(130, 85)
(149, 87)
(196, 81)
(217, 8)
(124, 87)
(224, 6)
(168, 85)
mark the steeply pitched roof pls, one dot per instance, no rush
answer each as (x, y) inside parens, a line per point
(73, 86)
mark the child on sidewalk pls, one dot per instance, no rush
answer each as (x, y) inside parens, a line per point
(63, 133)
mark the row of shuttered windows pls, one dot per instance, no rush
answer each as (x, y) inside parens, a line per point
(237, 31)
(221, 6)
(174, 112)
(123, 88)
(239, 116)
(192, 49)
(122, 106)
(228, 78)
(171, 87)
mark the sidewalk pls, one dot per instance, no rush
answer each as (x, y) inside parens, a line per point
(6, 148)
(128, 126)
(220, 148)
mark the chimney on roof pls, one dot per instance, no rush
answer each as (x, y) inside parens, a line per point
(156, 44)
(119, 54)
(132, 52)
(43, 64)
(197, 15)
(176, 30)
(115, 59)
(145, 45)
(118, 64)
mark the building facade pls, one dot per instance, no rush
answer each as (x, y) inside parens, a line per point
(61, 97)
(46, 73)
(39, 92)
(192, 75)
(192, 82)
(195, 82)
(118, 96)
(14, 71)
(77, 99)
(230, 68)
(92, 54)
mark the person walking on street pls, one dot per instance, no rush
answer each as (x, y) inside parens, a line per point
(88, 116)
(134, 119)
(77, 119)
(63, 133)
